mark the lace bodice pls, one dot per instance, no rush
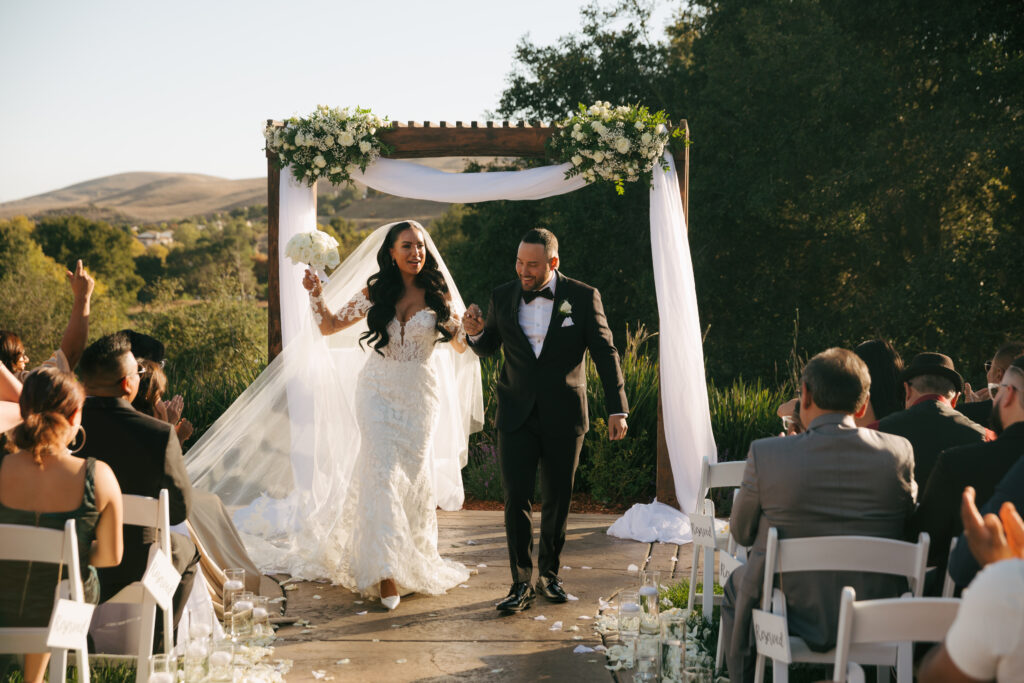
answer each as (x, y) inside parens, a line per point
(409, 341)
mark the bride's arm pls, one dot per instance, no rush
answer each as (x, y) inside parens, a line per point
(329, 323)
(454, 328)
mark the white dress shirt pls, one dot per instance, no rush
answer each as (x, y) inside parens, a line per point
(534, 317)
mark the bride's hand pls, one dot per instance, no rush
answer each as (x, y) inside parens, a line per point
(312, 283)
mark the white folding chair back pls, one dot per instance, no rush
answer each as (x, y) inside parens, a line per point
(836, 553)
(154, 513)
(949, 585)
(712, 476)
(895, 620)
(52, 546)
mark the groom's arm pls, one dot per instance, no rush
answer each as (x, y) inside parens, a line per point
(606, 358)
(489, 340)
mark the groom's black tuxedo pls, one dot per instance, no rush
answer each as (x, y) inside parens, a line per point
(542, 409)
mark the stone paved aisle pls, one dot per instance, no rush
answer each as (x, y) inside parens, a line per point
(460, 636)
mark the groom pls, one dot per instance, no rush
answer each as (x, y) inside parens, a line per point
(545, 321)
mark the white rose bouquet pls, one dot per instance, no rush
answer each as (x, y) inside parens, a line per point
(619, 144)
(330, 143)
(315, 248)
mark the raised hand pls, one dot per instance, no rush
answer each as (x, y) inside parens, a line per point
(985, 535)
(81, 282)
(311, 281)
(473, 320)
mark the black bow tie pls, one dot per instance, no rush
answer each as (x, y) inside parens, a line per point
(545, 293)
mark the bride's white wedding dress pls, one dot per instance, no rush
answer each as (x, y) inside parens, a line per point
(390, 507)
(335, 459)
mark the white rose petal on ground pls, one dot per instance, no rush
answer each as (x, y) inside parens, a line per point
(359, 614)
(317, 597)
(540, 618)
(582, 649)
(585, 567)
(471, 542)
(401, 661)
(556, 626)
(343, 661)
(633, 569)
(584, 617)
(571, 597)
(319, 674)
(481, 565)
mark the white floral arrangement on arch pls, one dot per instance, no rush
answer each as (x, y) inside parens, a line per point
(315, 248)
(618, 144)
(330, 143)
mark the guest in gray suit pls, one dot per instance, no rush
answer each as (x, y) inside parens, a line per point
(833, 479)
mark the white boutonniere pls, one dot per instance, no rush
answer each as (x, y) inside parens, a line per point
(565, 308)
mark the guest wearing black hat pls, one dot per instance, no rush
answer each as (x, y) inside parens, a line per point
(930, 422)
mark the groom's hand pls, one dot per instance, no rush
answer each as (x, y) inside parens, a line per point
(616, 427)
(473, 320)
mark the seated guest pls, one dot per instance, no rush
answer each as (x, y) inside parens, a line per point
(980, 466)
(834, 479)
(986, 641)
(43, 485)
(930, 422)
(12, 350)
(962, 566)
(149, 400)
(144, 454)
(978, 405)
(884, 366)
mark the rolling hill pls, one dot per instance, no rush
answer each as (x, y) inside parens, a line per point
(147, 197)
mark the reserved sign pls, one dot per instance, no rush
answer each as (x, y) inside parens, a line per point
(703, 529)
(727, 564)
(161, 578)
(771, 633)
(69, 625)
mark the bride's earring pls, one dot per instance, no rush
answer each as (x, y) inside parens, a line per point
(82, 445)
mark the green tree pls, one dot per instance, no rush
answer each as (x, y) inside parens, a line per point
(105, 249)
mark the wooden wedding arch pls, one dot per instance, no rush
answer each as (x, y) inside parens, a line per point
(415, 140)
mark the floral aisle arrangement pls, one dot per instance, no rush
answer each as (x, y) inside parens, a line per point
(618, 144)
(330, 143)
(314, 248)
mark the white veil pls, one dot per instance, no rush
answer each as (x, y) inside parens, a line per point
(282, 455)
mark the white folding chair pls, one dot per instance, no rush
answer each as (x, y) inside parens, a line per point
(54, 546)
(949, 585)
(836, 553)
(896, 620)
(154, 513)
(712, 476)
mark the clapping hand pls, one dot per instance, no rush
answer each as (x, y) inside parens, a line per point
(992, 538)
(975, 396)
(174, 408)
(473, 320)
(311, 281)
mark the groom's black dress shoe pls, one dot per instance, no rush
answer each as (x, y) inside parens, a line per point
(520, 596)
(552, 589)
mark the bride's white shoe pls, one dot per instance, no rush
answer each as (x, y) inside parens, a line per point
(391, 601)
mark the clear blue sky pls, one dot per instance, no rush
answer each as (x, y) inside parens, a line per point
(92, 88)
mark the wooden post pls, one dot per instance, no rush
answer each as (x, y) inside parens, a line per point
(274, 343)
(665, 483)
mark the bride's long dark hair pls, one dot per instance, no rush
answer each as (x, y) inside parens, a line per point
(386, 286)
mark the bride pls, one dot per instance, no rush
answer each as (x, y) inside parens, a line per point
(338, 455)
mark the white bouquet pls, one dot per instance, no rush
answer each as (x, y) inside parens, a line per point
(315, 248)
